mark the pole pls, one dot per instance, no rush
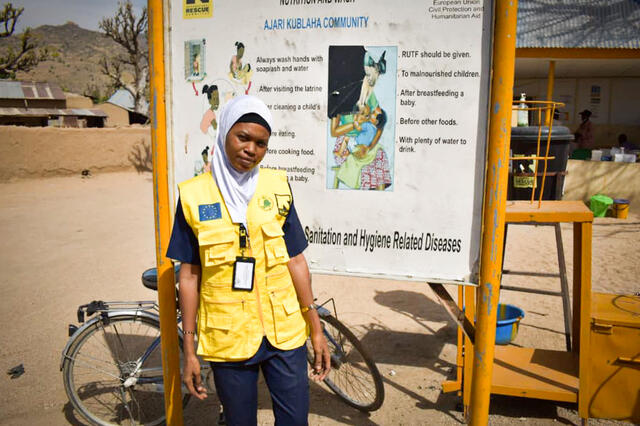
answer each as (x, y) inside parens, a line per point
(495, 198)
(162, 216)
(550, 82)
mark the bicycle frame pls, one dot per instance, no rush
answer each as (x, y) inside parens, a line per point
(324, 312)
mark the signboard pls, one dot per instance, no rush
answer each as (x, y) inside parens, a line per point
(380, 114)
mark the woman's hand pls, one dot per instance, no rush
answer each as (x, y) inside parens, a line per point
(321, 356)
(191, 377)
(302, 282)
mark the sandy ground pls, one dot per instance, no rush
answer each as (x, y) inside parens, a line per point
(68, 240)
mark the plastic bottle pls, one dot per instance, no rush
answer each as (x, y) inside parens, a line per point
(523, 114)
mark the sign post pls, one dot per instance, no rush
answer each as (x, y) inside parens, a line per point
(162, 215)
(493, 219)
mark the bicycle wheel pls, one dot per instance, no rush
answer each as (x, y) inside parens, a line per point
(354, 376)
(100, 361)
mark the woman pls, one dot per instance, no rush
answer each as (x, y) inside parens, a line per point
(244, 276)
(372, 70)
(584, 134)
(209, 116)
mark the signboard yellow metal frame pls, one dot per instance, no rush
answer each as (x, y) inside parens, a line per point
(493, 212)
(162, 215)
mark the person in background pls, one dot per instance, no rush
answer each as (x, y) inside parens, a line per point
(623, 142)
(584, 134)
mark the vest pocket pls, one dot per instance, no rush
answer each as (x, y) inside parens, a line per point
(275, 249)
(288, 320)
(225, 331)
(217, 246)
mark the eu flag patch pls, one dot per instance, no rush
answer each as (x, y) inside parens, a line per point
(209, 211)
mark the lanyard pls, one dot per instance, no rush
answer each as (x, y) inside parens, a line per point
(244, 237)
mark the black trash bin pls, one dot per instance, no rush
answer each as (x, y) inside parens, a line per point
(524, 142)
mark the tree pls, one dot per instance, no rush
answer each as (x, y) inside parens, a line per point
(129, 71)
(26, 54)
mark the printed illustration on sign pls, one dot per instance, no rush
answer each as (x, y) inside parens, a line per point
(209, 119)
(361, 116)
(208, 126)
(240, 72)
(197, 9)
(194, 60)
(233, 81)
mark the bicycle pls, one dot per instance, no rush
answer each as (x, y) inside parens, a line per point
(112, 367)
(354, 376)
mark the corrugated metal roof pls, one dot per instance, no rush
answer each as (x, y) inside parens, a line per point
(30, 90)
(10, 90)
(47, 112)
(124, 99)
(603, 24)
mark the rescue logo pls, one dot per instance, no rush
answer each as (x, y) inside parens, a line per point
(284, 203)
(197, 9)
(265, 203)
(209, 212)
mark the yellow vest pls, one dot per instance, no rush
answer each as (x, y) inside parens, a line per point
(231, 323)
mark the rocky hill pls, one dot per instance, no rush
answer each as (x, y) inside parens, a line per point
(74, 62)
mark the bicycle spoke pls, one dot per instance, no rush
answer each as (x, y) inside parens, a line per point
(85, 364)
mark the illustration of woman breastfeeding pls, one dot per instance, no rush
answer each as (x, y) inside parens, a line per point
(239, 72)
(357, 120)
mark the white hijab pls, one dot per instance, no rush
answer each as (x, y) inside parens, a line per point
(236, 187)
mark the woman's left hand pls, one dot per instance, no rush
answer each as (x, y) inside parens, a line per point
(321, 356)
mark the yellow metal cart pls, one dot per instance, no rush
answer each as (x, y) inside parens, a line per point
(531, 372)
(613, 358)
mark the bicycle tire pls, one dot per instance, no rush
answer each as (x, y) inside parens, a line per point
(96, 363)
(354, 376)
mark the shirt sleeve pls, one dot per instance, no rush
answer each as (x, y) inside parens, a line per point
(183, 245)
(293, 233)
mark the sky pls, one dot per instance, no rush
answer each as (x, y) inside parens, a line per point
(85, 13)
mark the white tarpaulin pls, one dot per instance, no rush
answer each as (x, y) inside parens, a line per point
(380, 113)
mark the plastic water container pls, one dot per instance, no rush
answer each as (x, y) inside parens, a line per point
(596, 155)
(599, 204)
(509, 317)
(620, 208)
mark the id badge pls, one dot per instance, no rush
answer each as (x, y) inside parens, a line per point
(243, 273)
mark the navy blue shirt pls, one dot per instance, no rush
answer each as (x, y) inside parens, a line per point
(184, 247)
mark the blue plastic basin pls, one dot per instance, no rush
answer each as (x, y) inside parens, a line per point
(509, 317)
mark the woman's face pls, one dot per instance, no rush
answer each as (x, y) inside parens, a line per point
(245, 145)
(371, 74)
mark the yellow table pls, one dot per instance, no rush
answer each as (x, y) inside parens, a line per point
(530, 372)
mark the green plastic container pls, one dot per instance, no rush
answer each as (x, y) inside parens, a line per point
(599, 204)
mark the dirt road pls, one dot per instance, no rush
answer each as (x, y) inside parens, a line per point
(67, 241)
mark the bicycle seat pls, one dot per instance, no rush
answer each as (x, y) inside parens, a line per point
(150, 277)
